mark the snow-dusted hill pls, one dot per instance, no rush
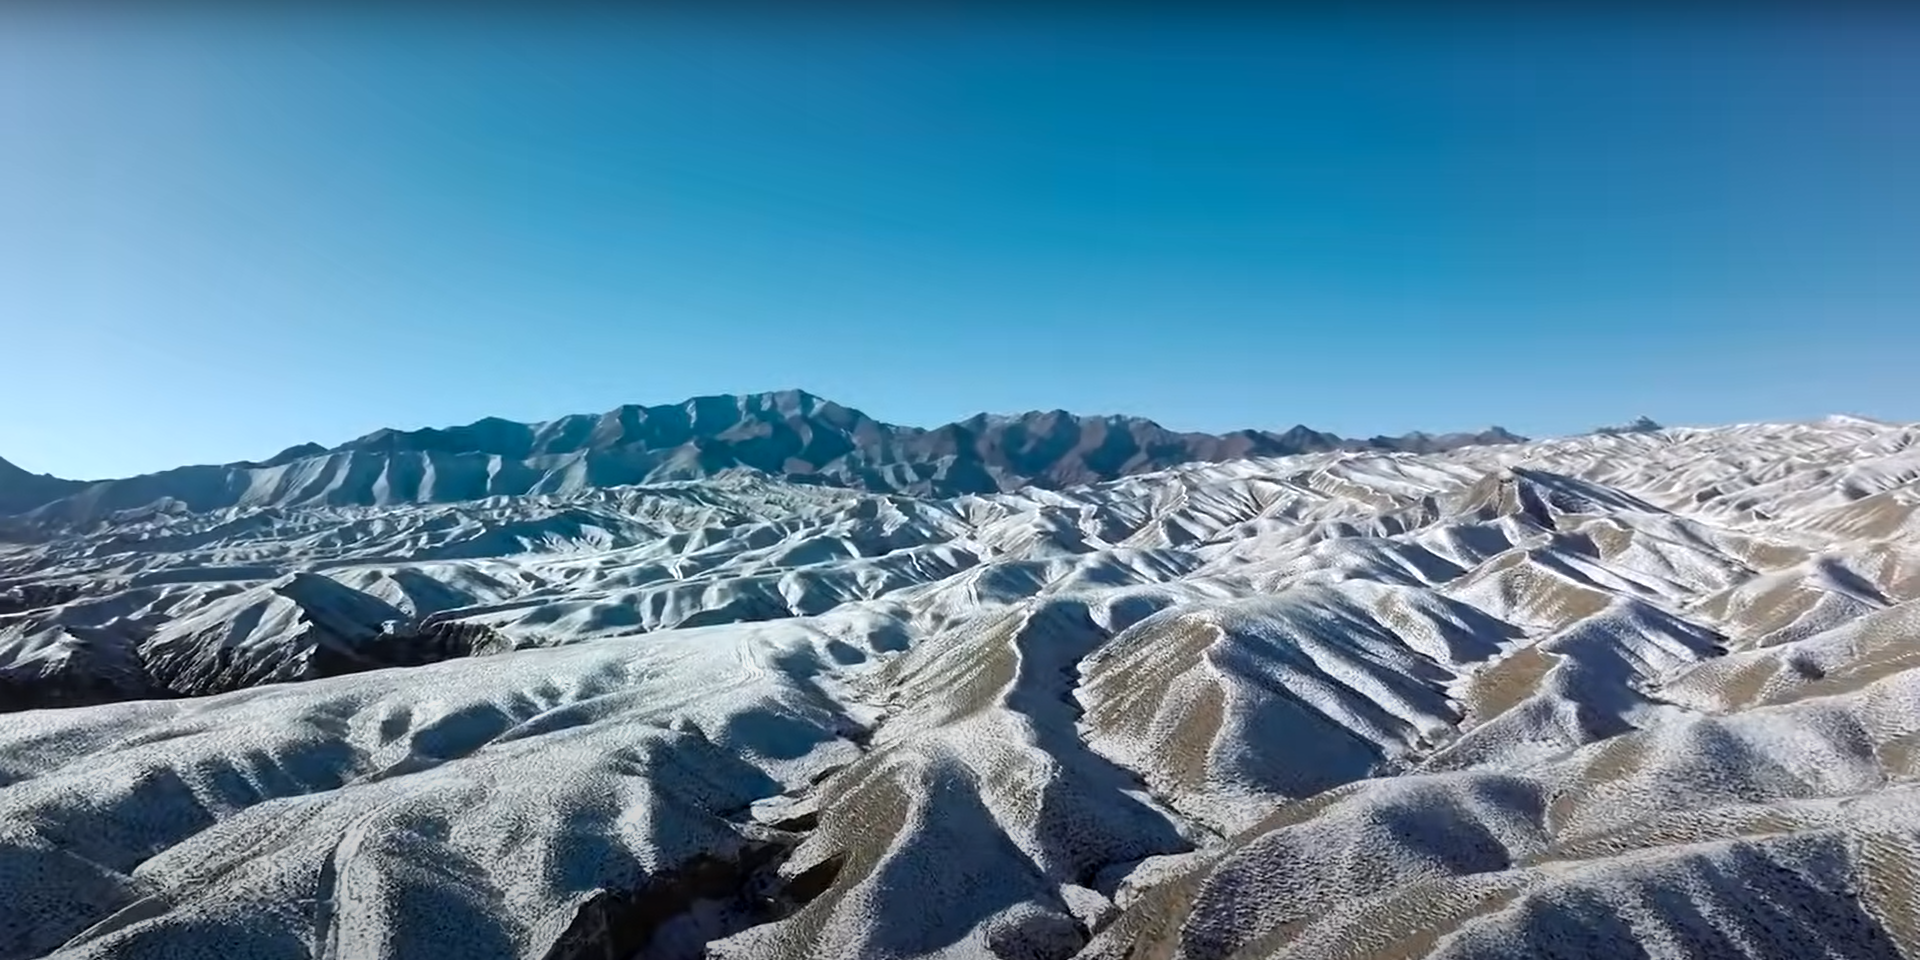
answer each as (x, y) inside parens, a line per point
(1645, 693)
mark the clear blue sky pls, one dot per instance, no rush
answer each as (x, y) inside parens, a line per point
(222, 234)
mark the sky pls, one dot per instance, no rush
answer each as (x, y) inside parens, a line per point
(224, 233)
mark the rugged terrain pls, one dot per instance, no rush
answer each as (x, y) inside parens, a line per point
(1642, 693)
(790, 434)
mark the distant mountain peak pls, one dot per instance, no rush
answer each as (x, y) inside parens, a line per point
(299, 451)
(1641, 424)
(789, 433)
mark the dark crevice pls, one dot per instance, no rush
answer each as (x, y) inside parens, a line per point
(22, 597)
(675, 915)
(619, 925)
(217, 670)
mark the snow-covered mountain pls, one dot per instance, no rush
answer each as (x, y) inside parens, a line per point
(790, 434)
(1638, 693)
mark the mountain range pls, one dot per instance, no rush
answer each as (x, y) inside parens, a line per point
(789, 434)
(1633, 693)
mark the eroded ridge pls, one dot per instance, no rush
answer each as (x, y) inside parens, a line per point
(1640, 694)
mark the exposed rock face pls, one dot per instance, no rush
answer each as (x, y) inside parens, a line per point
(790, 434)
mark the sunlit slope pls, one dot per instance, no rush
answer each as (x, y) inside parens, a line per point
(1643, 694)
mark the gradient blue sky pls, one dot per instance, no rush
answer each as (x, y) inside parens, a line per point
(223, 234)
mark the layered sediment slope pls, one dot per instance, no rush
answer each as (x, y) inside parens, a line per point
(1645, 693)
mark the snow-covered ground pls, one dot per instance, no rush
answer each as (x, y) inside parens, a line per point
(1645, 694)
